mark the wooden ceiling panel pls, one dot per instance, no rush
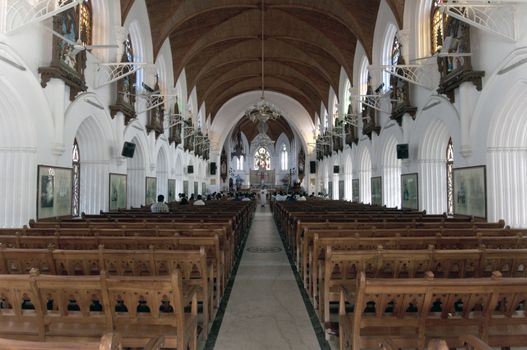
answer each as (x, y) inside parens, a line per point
(218, 43)
(126, 5)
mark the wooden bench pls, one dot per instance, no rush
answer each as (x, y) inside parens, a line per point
(315, 244)
(192, 265)
(412, 311)
(342, 267)
(83, 308)
(110, 341)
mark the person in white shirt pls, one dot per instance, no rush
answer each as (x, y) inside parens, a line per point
(160, 206)
(199, 201)
(263, 197)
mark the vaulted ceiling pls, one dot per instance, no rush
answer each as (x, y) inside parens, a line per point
(218, 43)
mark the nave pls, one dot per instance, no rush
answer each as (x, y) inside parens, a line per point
(265, 309)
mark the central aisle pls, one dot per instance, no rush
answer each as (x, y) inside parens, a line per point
(265, 309)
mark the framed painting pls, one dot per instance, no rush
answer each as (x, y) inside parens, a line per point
(150, 190)
(376, 190)
(409, 191)
(470, 191)
(118, 190)
(355, 191)
(54, 189)
(171, 192)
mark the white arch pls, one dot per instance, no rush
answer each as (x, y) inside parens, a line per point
(507, 159)
(162, 171)
(233, 110)
(391, 172)
(137, 166)
(365, 167)
(18, 157)
(432, 159)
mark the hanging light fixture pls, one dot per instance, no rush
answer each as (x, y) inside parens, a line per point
(263, 110)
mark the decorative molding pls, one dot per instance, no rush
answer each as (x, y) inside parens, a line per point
(492, 17)
(21, 13)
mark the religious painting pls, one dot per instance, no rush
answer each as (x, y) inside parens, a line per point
(409, 191)
(355, 191)
(470, 191)
(196, 188)
(341, 189)
(150, 190)
(376, 190)
(330, 190)
(118, 189)
(171, 193)
(185, 187)
(54, 191)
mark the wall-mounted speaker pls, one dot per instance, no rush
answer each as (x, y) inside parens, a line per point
(336, 169)
(402, 151)
(312, 167)
(213, 168)
(128, 150)
(190, 169)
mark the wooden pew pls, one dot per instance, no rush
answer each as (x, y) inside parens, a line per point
(218, 254)
(82, 308)
(412, 311)
(109, 341)
(342, 267)
(192, 265)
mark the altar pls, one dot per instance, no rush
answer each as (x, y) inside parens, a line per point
(260, 178)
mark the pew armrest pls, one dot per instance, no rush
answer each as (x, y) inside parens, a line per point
(473, 342)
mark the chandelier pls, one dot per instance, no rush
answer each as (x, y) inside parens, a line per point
(263, 110)
(262, 139)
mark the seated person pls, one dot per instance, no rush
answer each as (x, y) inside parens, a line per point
(199, 201)
(160, 206)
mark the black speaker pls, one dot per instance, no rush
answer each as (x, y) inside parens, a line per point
(213, 168)
(313, 167)
(190, 169)
(402, 151)
(336, 169)
(128, 150)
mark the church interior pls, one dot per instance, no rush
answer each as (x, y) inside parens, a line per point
(362, 165)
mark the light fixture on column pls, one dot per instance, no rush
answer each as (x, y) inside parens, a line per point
(263, 110)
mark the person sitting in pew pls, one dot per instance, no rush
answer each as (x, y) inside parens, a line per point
(199, 201)
(160, 206)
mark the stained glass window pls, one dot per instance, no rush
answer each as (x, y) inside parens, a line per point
(283, 158)
(438, 21)
(85, 22)
(75, 191)
(262, 159)
(239, 162)
(450, 177)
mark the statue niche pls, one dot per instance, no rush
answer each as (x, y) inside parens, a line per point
(400, 88)
(175, 130)
(369, 114)
(68, 61)
(350, 130)
(125, 87)
(455, 70)
(156, 115)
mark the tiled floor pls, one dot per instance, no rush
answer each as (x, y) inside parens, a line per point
(265, 309)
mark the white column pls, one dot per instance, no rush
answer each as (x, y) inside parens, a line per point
(392, 186)
(335, 194)
(365, 186)
(18, 186)
(432, 186)
(506, 186)
(94, 183)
